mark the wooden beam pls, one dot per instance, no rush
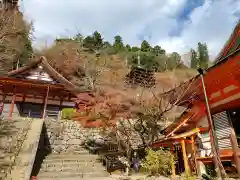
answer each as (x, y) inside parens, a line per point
(185, 159)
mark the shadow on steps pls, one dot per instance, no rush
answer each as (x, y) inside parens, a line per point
(44, 148)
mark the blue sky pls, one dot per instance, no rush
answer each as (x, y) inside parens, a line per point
(176, 25)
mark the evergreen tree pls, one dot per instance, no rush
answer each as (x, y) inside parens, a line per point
(145, 46)
(203, 57)
(194, 59)
(118, 43)
(89, 43)
(98, 40)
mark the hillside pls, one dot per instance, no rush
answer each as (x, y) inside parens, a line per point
(104, 75)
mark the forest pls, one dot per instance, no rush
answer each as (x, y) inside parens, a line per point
(146, 55)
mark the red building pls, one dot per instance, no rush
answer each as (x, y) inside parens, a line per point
(36, 90)
(223, 91)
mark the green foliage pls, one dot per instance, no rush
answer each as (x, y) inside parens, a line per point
(173, 61)
(118, 43)
(128, 48)
(152, 58)
(157, 50)
(98, 40)
(194, 60)
(158, 162)
(89, 43)
(145, 46)
(147, 60)
(67, 113)
(200, 58)
(203, 55)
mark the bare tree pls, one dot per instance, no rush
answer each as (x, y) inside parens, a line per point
(14, 31)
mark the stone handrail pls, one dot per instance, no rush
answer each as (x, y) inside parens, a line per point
(25, 159)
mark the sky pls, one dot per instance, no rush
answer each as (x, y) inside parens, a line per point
(175, 25)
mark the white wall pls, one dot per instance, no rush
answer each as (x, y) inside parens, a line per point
(205, 138)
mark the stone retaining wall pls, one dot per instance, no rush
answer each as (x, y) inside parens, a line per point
(68, 135)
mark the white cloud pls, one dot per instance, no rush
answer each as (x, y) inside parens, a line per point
(211, 23)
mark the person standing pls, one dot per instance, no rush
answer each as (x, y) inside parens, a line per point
(136, 162)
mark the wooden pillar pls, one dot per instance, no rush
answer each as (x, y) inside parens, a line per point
(194, 154)
(45, 103)
(12, 106)
(235, 148)
(2, 105)
(173, 165)
(185, 159)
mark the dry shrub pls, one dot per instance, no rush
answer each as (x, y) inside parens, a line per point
(68, 57)
(13, 35)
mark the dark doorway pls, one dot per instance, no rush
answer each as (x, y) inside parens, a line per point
(33, 110)
(234, 115)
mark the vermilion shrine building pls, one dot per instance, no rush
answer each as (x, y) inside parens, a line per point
(36, 90)
(223, 91)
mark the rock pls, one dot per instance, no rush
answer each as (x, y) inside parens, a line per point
(58, 149)
(74, 141)
(59, 142)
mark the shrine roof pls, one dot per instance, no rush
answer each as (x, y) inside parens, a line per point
(50, 70)
(192, 88)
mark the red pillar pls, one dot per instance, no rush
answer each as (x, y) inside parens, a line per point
(12, 106)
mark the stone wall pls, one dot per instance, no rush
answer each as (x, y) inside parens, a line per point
(67, 135)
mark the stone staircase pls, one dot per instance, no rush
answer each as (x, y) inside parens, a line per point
(71, 166)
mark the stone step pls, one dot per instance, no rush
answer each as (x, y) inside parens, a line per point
(69, 161)
(84, 151)
(68, 175)
(77, 178)
(64, 156)
(72, 158)
(72, 167)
